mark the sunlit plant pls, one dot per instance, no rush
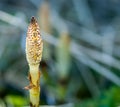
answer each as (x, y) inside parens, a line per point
(34, 48)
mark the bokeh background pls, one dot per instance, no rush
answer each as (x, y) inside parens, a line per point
(81, 57)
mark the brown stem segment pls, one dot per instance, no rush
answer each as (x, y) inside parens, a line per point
(35, 90)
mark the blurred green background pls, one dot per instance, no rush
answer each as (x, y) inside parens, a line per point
(81, 57)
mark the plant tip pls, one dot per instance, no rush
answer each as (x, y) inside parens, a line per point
(33, 20)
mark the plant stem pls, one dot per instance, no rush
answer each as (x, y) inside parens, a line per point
(35, 90)
(34, 97)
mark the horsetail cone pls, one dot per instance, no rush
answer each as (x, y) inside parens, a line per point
(34, 48)
(34, 44)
